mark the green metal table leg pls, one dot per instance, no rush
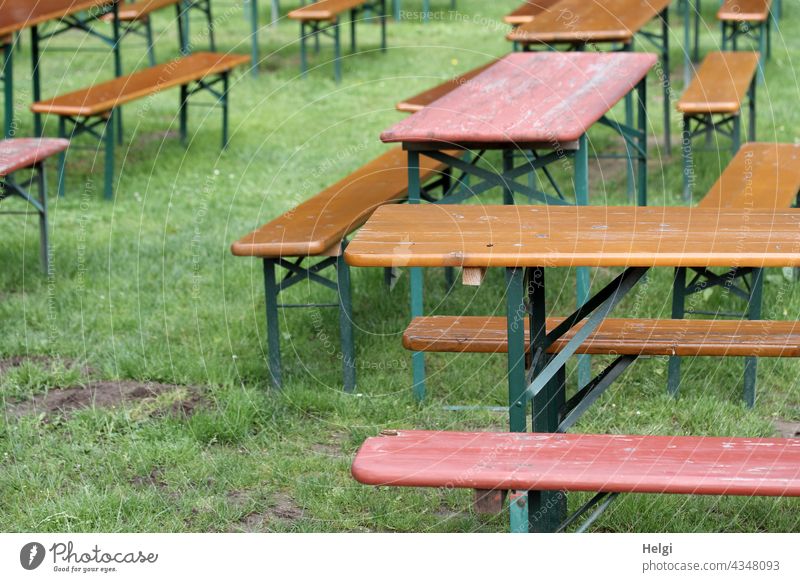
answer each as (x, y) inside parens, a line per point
(151, 49)
(678, 312)
(337, 52)
(37, 88)
(225, 109)
(667, 84)
(508, 165)
(582, 273)
(397, 9)
(737, 133)
(212, 41)
(303, 50)
(629, 121)
(346, 322)
(416, 279)
(62, 157)
(383, 18)
(752, 111)
(109, 155)
(183, 115)
(117, 51)
(273, 324)
(516, 313)
(762, 49)
(687, 43)
(353, 17)
(8, 89)
(642, 143)
(426, 9)
(44, 240)
(753, 313)
(254, 48)
(688, 161)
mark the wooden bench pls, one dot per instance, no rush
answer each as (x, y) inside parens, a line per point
(317, 230)
(21, 154)
(92, 110)
(528, 11)
(134, 18)
(747, 19)
(713, 103)
(495, 463)
(323, 17)
(761, 175)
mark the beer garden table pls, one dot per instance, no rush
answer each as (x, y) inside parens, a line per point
(542, 103)
(530, 241)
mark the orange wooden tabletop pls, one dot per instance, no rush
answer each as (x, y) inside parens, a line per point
(16, 15)
(589, 21)
(572, 236)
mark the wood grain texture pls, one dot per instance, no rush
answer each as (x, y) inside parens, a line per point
(103, 97)
(528, 11)
(324, 9)
(761, 175)
(582, 21)
(16, 15)
(721, 83)
(417, 102)
(575, 462)
(573, 236)
(132, 11)
(633, 337)
(323, 221)
(527, 98)
(744, 10)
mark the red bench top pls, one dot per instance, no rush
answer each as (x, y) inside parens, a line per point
(575, 462)
(19, 153)
(527, 98)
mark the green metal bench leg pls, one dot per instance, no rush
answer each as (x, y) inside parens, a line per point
(396, 9)
(254, 48)
(667, 84)
(629, 121)
(62, 158)
(225, 109)
(426, 9)
(273, 324)
(517, 417)
(109, 155)
(337, 52)
(737, 133)
(582, 273)
(686, 154)
(8, 89)
(212, 41)
(353, 17)
(762, 49)
(416, 279)
(346, 322)
(151, 49)
(752, 111)
(754, 313)
(183, 28)
(44, 237)
(384, 18)
(183, 115)
(642, 170)
(37, 91)
(678, 312)
(303, 55)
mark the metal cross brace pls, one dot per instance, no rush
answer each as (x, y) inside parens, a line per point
(9, 187)
(601, 500)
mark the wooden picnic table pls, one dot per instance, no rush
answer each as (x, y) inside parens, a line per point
(529, 240)
(18, 15)
(538, 104)
(578, 23)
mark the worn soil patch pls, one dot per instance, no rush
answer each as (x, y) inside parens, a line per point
(104, 394)
(282, 509)
(787, 429)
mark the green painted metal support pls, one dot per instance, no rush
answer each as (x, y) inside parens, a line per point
(254, 48)
(583, 284)
(687, 41)
(151, 48)
(346, 322)
(517, 406)
(8, 90)
(754, 313)
(416, 279)
(36, 79)
(678, 312)
(44, 236)
(688, 161)
(273, 324)
(508, 166)
(108, 183)
(337, 52)
(224, 103)
(751, 94)
(666, 86)
(303, 50)
(641, 190)
(183, 115)
(62, 158)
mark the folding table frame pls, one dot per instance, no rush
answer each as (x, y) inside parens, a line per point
(10, 187)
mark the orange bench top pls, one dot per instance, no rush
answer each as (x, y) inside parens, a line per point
(320, 223)
(576, 236)
(24, 152)
(761, 175)
(579, 21)
(744, 10)
(721, 83)
(17, 15)
(324, 9)
(628, 337)
(528, 11)
(582, 462)
(417, 102)
(105, 96)
(131, 11)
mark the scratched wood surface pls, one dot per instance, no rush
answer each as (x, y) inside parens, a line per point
(527, 11)
(105, 96)
(526, 98)
(744, 10)
(24, 152)
(582, 462)
(564, 236)
(417, 102)
(16, 15)
(721, 83)
(582, 21)
(761, 175)
(634, 337)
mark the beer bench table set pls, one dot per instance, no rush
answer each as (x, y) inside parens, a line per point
(531, 241)
(617, 23)
(540, 104)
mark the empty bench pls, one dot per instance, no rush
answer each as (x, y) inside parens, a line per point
(135, 18)
(93, 110)
(495, 463)
(310, 239)
(324, 18)
(747, 19)
(18, 155)
(713, 103)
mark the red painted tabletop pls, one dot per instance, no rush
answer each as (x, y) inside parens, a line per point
(17, 154)
(527, 98)
(575, 462)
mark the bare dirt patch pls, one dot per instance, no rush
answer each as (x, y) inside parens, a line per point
(105, 394)
(787, 429)
(282, 509)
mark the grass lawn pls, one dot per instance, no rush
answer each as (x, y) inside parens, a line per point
(147, 309)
